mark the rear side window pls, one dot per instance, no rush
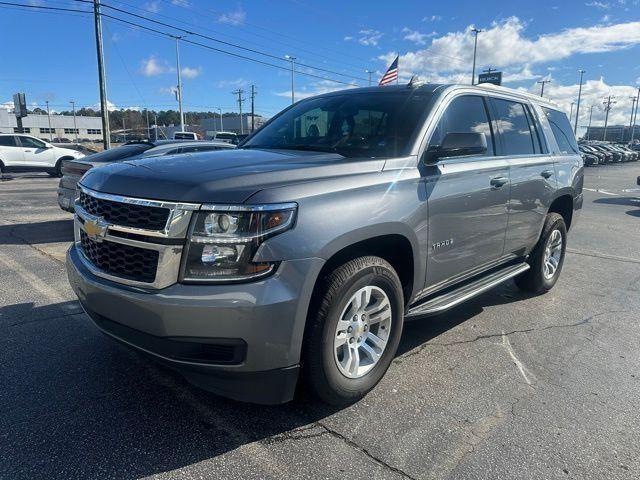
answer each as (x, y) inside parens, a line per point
(514, 127)
(119, 153)
(466, 114)
(8, 141)
(562, 131)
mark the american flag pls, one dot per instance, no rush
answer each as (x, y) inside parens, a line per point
(391, 75)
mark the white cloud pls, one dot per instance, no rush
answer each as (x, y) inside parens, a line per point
(237, 17)
(154, 66)
(189, 72)
(152, 7)
(110, 106)
(315, 88)
(519, 75)
(235, 83)
(600, 5)
(7, 105)
(181, 3)
(367, 37)
(432, 18)
(417, 37)
(505, 44)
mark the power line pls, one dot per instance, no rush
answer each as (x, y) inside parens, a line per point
(223, 42)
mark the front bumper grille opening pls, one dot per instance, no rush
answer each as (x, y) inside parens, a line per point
(125, 214)
(119, 260)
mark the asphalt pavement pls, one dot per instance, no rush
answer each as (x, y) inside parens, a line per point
(508, 386)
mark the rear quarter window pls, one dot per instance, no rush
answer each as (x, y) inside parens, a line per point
(562, 131)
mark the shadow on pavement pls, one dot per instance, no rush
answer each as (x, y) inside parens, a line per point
(77, 402)
(628, 201)
(37, 232)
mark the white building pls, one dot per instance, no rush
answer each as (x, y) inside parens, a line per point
(62, 126)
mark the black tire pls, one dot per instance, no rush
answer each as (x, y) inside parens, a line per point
(57, 171)
(534, 280)
(320, 371)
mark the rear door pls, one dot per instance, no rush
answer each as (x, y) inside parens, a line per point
(467, 198)
(10, 151)
(533, 183)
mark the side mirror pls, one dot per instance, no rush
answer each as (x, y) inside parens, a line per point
(459, 145)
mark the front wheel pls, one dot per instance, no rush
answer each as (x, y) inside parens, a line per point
(354, 334)
(57, 170)
(547, 257)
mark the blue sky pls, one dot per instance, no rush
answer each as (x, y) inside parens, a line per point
(53, 55)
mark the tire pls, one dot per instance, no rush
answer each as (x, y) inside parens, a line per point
(536, 280)
(321, 357)
(57, 171)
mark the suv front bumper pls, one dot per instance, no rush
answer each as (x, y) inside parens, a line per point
(241, 341)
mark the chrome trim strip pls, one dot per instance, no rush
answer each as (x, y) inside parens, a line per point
(265, 207)
(139, 201)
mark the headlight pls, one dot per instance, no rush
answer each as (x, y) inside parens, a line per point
(223, 240)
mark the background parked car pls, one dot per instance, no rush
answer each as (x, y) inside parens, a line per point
(19, 152)
(72, 171)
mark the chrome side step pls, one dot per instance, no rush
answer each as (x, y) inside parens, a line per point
(465, 292)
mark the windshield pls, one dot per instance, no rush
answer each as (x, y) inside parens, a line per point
(119, 153)
(378, 124)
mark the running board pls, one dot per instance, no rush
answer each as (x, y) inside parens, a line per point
(465, 292)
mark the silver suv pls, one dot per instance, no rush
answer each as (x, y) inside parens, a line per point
(307, 248)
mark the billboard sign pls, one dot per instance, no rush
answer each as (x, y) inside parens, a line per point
(19, 105)
(493, 77)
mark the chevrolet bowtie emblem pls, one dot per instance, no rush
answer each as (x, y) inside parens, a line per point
(96, 229)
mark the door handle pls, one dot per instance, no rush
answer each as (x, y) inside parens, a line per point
(546, 173)
(498, 182)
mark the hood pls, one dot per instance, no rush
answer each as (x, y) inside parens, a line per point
(225, 176)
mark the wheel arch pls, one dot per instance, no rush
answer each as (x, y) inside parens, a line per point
(562, 204)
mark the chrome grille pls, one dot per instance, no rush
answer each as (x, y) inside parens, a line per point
(125, 261)
(125, 214)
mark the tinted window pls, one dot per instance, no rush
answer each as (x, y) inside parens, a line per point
(466, 114)
(7, 141)
(378, 124)
(29, 142)
(562, 131)
(119, 153)
(514, 128)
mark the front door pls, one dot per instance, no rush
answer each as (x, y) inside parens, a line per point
(36, 153)
(467, 198)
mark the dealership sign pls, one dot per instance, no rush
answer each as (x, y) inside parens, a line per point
(493, 77)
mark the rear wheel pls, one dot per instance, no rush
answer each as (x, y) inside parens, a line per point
(354, 334)
(547, 257)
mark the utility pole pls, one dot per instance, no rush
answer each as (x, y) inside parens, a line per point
(370, 72)
(293, 71)
(476, 31)
(542, 84)
(607, 107)
(155, 130)
(575, 125)
(49, 117)
(124, 130)
(104, 106)
(146, 110)
(179, 94)
(75, 125)
(220, 110)
(635, 115)
(239, 93)
(253, 96)
(589, 127)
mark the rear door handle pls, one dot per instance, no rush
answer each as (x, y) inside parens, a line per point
(546, 173)
(498, 182)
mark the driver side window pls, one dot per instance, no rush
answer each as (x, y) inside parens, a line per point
(29, 142)
(465, 114)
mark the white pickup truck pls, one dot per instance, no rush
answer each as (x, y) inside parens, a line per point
(26, 153)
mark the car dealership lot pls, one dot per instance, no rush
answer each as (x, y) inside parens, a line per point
(506, 386)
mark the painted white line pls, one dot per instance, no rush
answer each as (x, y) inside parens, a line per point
(45, 290)
(521, 368)
(597, 190)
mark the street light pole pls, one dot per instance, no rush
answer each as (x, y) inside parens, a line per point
(293, 70)
(589, 127)
(220, 110)
(179, 83)
(49, 117)
(571, 113)
(635, 115)
(370, 72)
(75, 125)
(476, 31)
(102, 79)
(575, 126)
